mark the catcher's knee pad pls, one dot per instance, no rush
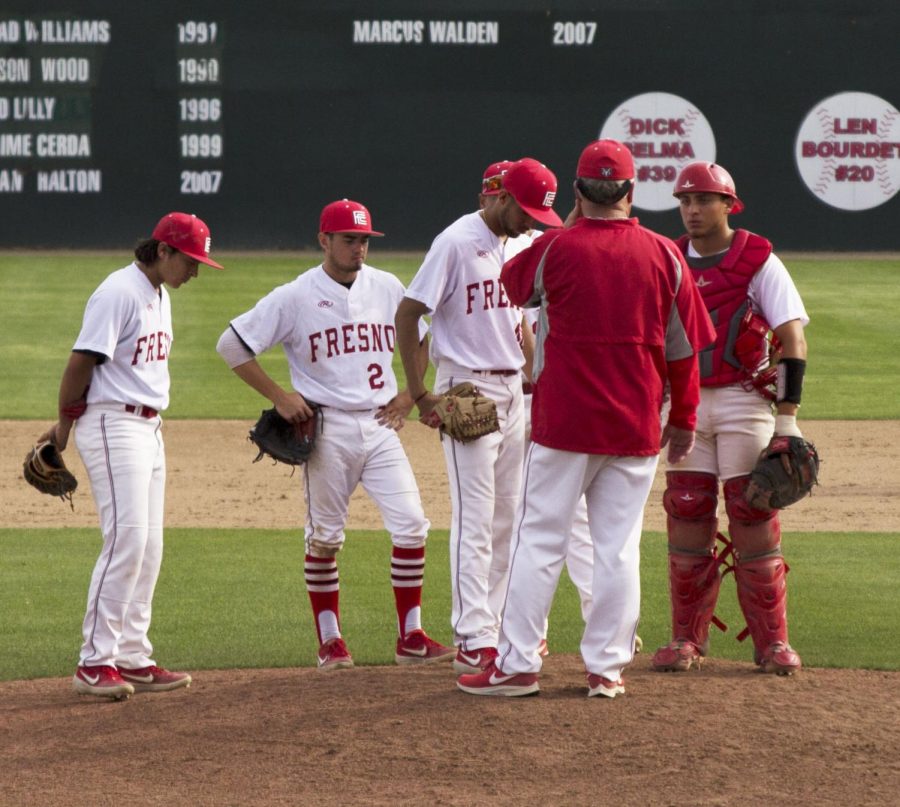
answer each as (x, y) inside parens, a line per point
(691, 502)
(752, 531)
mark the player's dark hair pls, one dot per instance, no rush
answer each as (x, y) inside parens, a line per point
(603, 191)
(146, 251)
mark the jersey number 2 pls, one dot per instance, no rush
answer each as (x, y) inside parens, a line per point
(375, 373)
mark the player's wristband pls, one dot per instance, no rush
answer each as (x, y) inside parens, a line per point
(786, 426)
(789, 380)
(416, 400)
(74, 410)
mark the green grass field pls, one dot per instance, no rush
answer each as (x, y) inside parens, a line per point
(851, 304)
(236, 597)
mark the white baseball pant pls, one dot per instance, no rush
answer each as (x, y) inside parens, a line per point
(616, 489)
(580, 554)
(354, 448)
(484, 478)
(125, 459)
(733, 427)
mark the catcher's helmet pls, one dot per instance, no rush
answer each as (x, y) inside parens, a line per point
(705, 177)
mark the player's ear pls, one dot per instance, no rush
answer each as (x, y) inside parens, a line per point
(324, 239)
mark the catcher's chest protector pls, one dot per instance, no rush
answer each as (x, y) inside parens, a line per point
(724, 291)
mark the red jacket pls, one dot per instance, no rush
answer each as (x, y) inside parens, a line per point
(620, 316)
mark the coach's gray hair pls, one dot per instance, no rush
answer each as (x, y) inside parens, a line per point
(603, 191)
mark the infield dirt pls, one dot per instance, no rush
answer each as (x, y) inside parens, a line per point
(389, 736)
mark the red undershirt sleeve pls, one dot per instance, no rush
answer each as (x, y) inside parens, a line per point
(684, 381)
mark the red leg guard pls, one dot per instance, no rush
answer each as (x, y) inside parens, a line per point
(753, 532)
(762, 593)
(694, 583)
(690, 501)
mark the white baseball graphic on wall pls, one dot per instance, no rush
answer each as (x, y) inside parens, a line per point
(848, 151)
(664, 133)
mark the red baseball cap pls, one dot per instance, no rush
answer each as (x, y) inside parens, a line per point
(346, 216)
(606, 159)
(492, 181)
(533, 186)
(188, 234)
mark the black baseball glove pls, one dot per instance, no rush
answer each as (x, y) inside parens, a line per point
(292, 443)
(785, 472)
(45, 470)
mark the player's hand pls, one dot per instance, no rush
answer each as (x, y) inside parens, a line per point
(426, 406)
(680, 442)
(58, 434)
(393, 413)
(293, 407)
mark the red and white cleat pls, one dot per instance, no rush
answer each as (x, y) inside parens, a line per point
(103, 681)
(419, 648)
(494, 682)
(333, 655)
(781, 659)
(604, 687)
(474, 661)
(677, 656)
(154, 679)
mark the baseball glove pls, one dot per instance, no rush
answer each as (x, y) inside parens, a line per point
(45, 470)
(785, 472)
(464, 413)
(283, 441)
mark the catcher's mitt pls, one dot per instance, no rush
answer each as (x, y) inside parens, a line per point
(283, 441)
(785, 472)
(45, 470)
(464, 413)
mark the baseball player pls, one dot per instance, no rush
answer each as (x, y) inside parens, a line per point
(477, 336)
(336, 325)
(748, 291)
(115, 385)
(619, 318)
(580, 557)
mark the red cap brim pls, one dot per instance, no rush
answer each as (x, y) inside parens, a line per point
(203, 259)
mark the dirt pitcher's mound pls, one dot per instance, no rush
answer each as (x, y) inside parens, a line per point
(391, 736)
(213, 482)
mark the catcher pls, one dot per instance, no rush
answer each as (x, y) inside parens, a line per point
(749, 292)
(335, 323)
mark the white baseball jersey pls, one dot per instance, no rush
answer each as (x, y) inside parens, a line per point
(339, 342)
(772, 292)
(129, 322)
(473, 323)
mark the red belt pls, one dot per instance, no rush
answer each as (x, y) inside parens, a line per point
(141, 411)
(496, 372)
